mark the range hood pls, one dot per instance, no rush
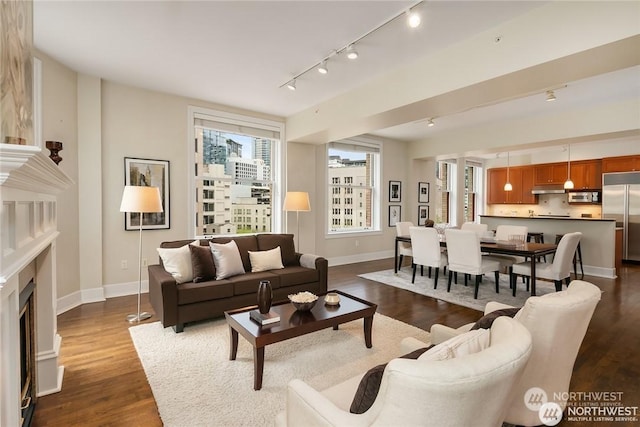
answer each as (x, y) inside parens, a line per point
(548, 189)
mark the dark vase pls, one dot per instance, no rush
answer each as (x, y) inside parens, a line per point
(265, 296)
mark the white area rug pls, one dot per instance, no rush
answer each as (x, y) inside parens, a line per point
(460, 295)
(195, 384)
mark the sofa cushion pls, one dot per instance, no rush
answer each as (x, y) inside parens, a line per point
(296, 275)
(245, 244)
(486, 321)
(266, 260)
(202, 263)
(285, 241)
(226, 258)
(248, 283)
(189, 293)
(177, 262)
(370, 384)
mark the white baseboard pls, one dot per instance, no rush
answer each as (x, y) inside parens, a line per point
(608, 273)
(86, 296)
(352, 259)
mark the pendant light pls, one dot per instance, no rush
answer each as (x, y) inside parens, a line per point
(568, 184)
(507, 185)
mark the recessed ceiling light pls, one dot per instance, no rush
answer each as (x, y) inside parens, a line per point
(551, 96)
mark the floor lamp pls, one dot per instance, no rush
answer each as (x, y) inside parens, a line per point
(140, 200)
(297, 201)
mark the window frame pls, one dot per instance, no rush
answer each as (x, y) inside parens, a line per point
(376, 190)
(277, 169)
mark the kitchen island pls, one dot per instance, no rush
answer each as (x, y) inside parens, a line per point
(598, 240)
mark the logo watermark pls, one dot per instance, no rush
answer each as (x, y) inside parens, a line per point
(592, 406)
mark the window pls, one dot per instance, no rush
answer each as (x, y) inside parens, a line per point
(443, 180)
(472, 186)
(353, 164)
(235, 164)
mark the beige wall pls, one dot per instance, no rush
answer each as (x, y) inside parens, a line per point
(59, 123)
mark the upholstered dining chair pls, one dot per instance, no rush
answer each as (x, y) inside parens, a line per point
(404, 248)
(557, 323)
(425, 244)
(469, 389)
(557, 271)
(479, 229)
(463, 252)
(503, 232)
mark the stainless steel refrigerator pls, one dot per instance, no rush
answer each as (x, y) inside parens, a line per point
(621, 201)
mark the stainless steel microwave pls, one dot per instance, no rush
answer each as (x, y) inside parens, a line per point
(584, 197)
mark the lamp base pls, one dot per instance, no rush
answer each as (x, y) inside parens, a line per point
(139, 317)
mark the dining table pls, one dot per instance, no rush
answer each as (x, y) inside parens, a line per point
(530, 250)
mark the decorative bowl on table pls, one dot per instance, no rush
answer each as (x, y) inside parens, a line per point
(303, 301)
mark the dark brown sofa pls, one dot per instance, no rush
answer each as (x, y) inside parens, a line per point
(178, 304)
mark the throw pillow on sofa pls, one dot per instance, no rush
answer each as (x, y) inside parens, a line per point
(202, 263)
(227, 260)
(461, 345)
(177, 262)
(266, 260)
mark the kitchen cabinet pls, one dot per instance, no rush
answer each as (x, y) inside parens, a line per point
(586, 174)
(521, 178)
(621, 164)
(496, 178)
(550, 173)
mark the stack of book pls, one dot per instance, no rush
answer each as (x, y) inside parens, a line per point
(264, 318)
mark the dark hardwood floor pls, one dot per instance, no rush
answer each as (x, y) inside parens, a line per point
(105, 385)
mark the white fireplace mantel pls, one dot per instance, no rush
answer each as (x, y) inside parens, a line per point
(29, 183)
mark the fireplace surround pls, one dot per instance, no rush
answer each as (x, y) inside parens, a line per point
(29, 183)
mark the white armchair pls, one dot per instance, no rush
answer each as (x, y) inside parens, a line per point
(557, 323)
(468, 390)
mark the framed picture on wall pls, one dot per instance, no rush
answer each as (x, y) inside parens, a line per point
(395, 212)
(395, 191)
(423, 192)
(148, 173)
(423, 214)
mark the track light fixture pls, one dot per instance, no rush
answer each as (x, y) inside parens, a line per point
(430, 123)
(413, 20)
(322, 69)
(292, 85)
(352, 53)
(551, 96)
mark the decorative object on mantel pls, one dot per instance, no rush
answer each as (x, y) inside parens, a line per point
(15, 140)
(54, 147)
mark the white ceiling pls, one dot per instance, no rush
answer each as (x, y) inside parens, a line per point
(240, 53)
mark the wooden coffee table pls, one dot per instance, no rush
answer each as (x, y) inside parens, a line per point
(294, 324)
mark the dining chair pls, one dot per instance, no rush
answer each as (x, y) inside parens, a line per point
(503, 232)
(425, 244)
(557, 271)
(404, 248)
(479, 229)
(464, 256)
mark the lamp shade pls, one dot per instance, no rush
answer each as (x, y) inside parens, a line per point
(141, 199)
(297, 201)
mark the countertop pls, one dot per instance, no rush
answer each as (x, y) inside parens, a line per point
(548, 217)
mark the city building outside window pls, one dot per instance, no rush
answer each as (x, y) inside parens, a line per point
(353, 164)
(234, 165)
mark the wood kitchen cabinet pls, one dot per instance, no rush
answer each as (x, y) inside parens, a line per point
(521, 178)
(550, 173)
(586, 174)
(621, 164)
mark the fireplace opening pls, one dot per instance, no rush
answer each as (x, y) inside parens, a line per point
(27, 353)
